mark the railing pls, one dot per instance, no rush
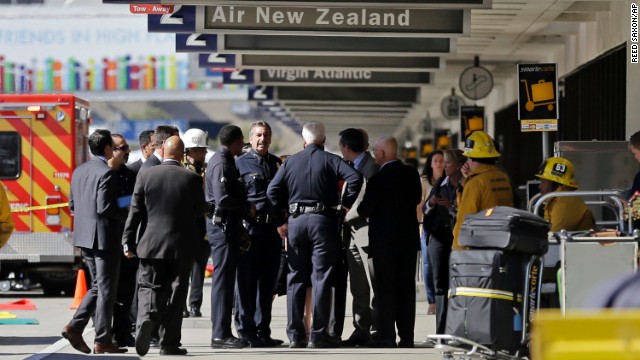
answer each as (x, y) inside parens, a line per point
(616, 204)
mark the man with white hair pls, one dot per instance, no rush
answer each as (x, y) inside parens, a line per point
(389, 203)
(306, 188)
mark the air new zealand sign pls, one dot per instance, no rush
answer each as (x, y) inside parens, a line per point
(332, 19)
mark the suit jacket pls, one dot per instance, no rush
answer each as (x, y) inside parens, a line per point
(135, 167)
(359, 226)
(368, 167)
(390, 204)
(152, 161)
(171, 198)
(94, 201)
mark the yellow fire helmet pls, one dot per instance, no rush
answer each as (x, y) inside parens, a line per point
(559, 170)
(480, 145)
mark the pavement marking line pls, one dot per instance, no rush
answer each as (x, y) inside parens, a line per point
(55, 347)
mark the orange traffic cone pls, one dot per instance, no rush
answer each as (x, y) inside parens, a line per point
(81, 289)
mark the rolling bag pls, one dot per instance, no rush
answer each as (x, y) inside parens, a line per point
(505, 228)
(485, 297)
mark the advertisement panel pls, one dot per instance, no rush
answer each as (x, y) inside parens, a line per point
(538, 97)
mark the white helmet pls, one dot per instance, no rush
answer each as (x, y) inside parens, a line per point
(195, 138)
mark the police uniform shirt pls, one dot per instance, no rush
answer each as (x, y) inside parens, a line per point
(223, 186)
(256, 172)
(312, 176)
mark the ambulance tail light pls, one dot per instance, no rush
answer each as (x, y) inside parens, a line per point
(52, 214)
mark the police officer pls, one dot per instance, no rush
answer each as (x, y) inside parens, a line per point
(228, 204)
(305, 187)
(195, 151)
(258, 267)
(485, 185)
(566, 212)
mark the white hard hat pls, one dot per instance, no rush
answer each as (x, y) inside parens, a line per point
(195, 138)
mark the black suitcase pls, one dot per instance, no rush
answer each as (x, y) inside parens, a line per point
(485, 297)
(506, 228)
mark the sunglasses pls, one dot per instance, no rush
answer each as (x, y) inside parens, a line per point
(121, 148)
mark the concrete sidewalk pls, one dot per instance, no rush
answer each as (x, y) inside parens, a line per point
(196, 337)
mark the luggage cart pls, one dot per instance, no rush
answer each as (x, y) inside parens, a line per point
(588, 261)
(585, 260)
(459, 348)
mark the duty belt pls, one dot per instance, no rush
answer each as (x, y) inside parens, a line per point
(263, 218)
(299, 208)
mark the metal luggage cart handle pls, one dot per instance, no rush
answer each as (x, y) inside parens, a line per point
(564, 235)
(539, 200)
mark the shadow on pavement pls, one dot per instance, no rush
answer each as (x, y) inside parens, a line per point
(28, 340)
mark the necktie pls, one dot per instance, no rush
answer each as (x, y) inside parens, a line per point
(267, 169)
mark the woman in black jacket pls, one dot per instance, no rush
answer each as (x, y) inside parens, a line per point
(440, 216)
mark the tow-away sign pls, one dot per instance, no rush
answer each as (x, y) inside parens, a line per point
(150, 9)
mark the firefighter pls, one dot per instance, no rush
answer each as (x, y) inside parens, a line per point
(485, 185)
(195, 151)
(567, 212)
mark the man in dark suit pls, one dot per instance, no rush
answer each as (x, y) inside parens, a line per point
(353, 144)
(162, 133)
(147, 147)
(122, 321)
(172, 199)
(93, 200)
(390, 202)
(305, 187)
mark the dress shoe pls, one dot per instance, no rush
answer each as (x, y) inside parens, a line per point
(173, 351)
(109, 348)
(406, 344)
(186, 313)
(269, 342)
(75, 339)
(143, 338)
(195, 312)
(326, 342)
(354, 341)
(264, 342)
(298, 344)
(126, 340)
(230, 342)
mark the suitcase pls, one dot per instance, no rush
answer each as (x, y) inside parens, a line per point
(485, 297)
(506, 228)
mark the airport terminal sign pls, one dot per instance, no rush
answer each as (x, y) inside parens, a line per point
(342, 76)
(421, 4)
(333, 19)
(538, 100)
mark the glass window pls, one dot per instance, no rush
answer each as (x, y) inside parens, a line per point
(10, 164)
